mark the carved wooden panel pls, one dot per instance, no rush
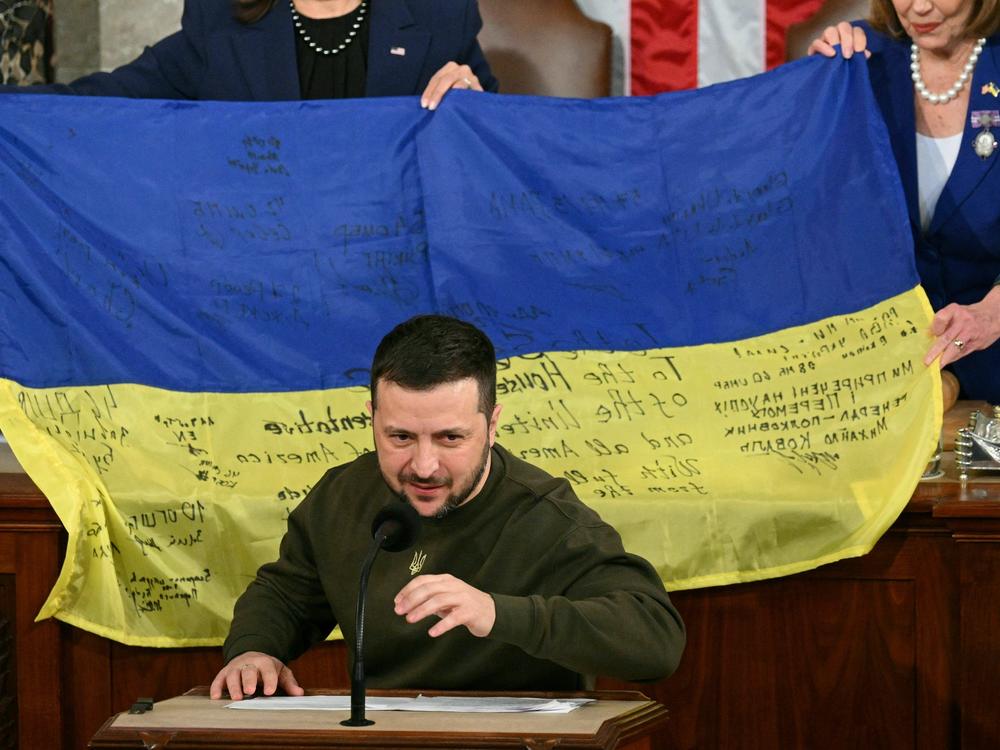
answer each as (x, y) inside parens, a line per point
(854, 654)
(8, 665)
(30, 551)
(796, 665)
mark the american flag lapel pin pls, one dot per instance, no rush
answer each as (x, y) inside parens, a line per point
(400, 51)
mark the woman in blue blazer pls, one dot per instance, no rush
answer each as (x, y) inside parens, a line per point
(259, 50)
(940, 99)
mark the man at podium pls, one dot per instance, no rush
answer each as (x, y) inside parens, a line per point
(525, 587)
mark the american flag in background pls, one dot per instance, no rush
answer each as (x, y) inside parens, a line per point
(670, 45)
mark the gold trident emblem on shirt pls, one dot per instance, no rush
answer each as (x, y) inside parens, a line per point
(417, 564)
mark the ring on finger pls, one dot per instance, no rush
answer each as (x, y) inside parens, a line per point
(467, 82)
(959, 344)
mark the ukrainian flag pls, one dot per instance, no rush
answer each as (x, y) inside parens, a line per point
(705, 304)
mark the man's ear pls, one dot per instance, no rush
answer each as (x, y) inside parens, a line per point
(494, 420)
(370, 408)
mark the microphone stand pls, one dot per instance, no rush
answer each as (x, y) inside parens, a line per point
(358, 677)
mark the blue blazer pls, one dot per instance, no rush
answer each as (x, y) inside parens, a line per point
(958, 258)
(215, 57)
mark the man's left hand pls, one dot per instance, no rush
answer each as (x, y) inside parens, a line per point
(453, 600)
(451, 76)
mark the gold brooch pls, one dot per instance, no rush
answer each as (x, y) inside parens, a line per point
(417, 564)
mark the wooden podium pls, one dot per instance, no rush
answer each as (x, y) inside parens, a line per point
(617, 719)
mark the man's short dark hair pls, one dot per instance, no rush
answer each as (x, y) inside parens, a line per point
(429, 350)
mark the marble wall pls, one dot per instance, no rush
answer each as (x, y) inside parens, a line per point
(102, 34)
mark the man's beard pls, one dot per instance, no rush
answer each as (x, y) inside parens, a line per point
(454, 499)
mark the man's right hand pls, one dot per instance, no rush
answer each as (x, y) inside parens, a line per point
(242, 674)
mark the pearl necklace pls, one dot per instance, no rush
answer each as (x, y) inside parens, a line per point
(951, 93)
(297, 20)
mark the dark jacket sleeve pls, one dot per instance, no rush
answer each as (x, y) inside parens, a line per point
(613, 617)
(877, 41)
(473, 56)
(284, 610)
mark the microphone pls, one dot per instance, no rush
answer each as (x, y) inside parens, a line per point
(398, 525)
(394, 529)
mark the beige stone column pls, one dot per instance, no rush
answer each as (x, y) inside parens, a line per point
(93, 35)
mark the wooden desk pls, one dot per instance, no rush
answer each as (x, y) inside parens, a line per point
(615, 720)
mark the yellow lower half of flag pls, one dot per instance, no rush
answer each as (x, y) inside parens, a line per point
(718, 463)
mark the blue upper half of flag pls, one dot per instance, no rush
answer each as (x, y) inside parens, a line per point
(268, 246)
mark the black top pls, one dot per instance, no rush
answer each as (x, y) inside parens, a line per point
(339, 76)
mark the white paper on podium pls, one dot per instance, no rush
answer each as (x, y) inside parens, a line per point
(452, 704)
